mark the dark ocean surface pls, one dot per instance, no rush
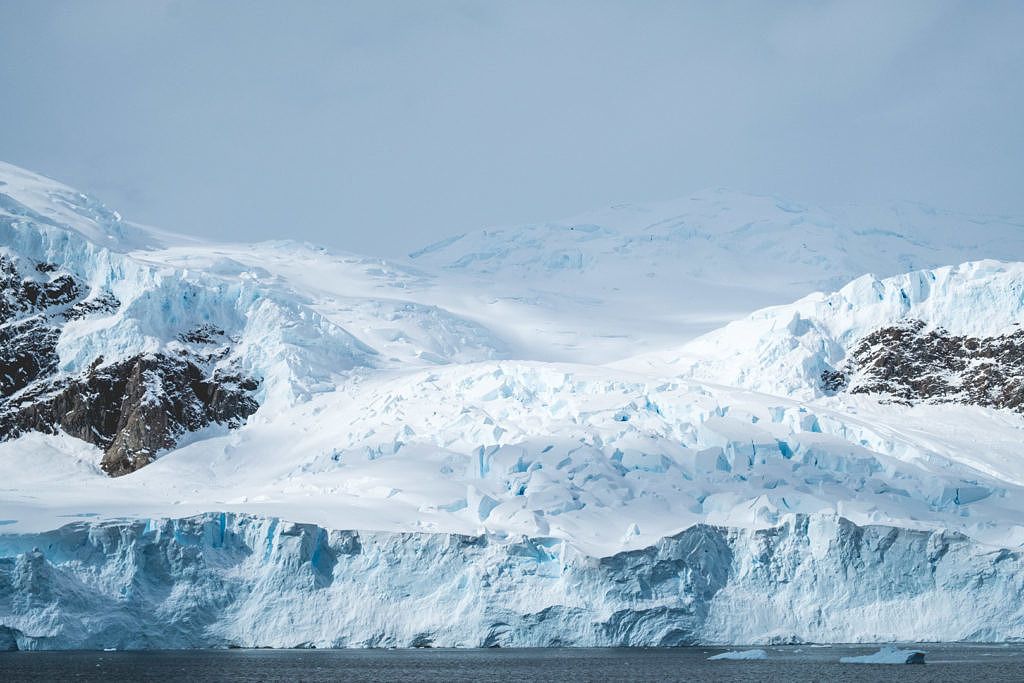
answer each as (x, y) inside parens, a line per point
(793, 663)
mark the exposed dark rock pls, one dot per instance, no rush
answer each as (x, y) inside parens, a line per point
(202, 334)
(28, 351)
(42, 295)
(104, 302)
(131, 408)
(833, 381)
(25, 295)
(910, 363)
(29, 331)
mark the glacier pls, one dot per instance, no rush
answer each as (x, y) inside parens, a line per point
(782, 350)
(221, 580)
(522, 437)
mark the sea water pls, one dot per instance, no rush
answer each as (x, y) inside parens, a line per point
(791, 663)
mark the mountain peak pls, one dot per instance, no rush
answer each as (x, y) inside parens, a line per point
(46, 203)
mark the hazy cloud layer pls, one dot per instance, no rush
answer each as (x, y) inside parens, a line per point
(379, 126)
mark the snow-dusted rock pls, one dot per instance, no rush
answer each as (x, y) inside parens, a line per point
(806, 349)
(462, 467)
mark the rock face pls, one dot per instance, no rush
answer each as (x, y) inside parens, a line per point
(221, 580)
(31, 309)
(131, 407)
(909, 362)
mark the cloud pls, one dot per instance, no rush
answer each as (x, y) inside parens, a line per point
(381, 126)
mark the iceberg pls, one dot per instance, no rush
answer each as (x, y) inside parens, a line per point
(887, 655)
(740, 655)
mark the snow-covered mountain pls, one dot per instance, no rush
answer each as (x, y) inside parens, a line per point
(945, 330)
(632, 278)
(512, 438)
(732, 239)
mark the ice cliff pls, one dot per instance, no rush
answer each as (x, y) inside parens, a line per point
(223, 580)
(472, 448)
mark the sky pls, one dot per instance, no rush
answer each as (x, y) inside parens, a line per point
(380, 126)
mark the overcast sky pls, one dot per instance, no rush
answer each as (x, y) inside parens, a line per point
(380, 126)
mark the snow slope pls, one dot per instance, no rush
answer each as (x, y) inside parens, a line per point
(634, 278)
(424, 440)
(278, 338)
(784, 349)
(27, 197)
(606, 462)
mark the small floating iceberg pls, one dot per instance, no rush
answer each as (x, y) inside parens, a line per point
(887, 655)
(741, 654)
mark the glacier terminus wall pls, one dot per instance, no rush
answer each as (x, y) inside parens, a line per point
(226, 580)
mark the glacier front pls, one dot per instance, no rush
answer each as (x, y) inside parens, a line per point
(510, 439)
(226, 580)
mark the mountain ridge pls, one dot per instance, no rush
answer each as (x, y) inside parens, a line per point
(544, 389)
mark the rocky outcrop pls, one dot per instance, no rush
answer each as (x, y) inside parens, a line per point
(31, 308)
(25, 294)
(911, 362)
(132, 407)
(222, 580)
(103, 302)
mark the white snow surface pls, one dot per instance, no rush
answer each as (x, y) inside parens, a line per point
(635, 278)
(531, 388)
(783, 349)
(29, 198)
